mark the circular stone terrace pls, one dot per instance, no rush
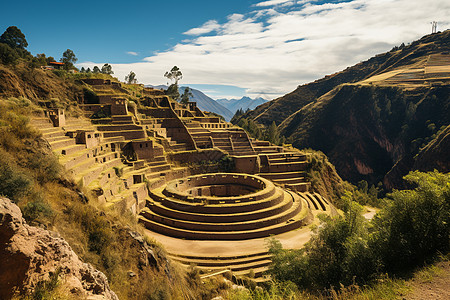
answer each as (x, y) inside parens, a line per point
(223, 219)
(224, 206)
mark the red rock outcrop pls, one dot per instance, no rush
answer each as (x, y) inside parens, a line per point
(30, 255)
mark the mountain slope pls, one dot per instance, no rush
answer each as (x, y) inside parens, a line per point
(388, 108)
(208, 104)
(204, 102)
(244, 103)
(279, 109)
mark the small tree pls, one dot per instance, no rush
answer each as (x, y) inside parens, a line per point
(96, 70)
(83, 70)
(88, 70)
(273, 134)
(174, 74)
(131, 78)
(14, 38)
(68, 58)
(38, 61)
(50, 59)
(173, 92)
(186, 95)
(107, 69)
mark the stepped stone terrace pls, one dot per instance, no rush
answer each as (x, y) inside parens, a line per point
(147, 157)
(224, 206)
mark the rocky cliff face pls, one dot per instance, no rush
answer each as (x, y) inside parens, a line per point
(434, 156)
(30, 255)
(365, 130)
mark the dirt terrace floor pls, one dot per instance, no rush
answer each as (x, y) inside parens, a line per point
(292, 240)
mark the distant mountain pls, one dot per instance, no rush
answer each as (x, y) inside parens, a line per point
(245, 103)
(203, 102)
(208, 104)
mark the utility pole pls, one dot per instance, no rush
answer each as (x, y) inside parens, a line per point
(433, 27)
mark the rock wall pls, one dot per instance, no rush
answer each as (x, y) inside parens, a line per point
(30, 255)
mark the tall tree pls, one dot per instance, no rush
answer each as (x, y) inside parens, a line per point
(107, 69)
(131, 78)
(273, 134)
(14, 38)
(173, 92)
(7, 55)
(186, 95)
(174, 74)
(96, 70)
(68, 58)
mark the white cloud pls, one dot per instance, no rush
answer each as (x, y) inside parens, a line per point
(271, 53)
(132, 53)
(274, 2)
(208, 27)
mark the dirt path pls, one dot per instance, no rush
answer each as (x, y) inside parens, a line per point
(431, 286)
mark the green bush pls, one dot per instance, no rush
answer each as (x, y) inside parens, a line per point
(14, 183)
(348, 249)
(226, 164)
(47, 167)
(415, 224)
(37, 209)
(45, 289)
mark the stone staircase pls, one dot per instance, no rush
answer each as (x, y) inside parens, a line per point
(122, 125)
(317, 204)
(265, 147)
(201, 136)
(241, 143)
(286, 169)
(240, 266)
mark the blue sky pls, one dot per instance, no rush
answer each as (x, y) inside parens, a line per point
(225, 48)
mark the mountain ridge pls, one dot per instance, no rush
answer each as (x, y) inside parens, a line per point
(280, 108)
(243, 103)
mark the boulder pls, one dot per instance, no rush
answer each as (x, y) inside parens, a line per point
(30, 255)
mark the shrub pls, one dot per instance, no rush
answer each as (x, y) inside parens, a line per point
(45, 289)
(14, 183)
(226, 164)
(346, 250)
(47, 167)
(37, 209)
(416, 223)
